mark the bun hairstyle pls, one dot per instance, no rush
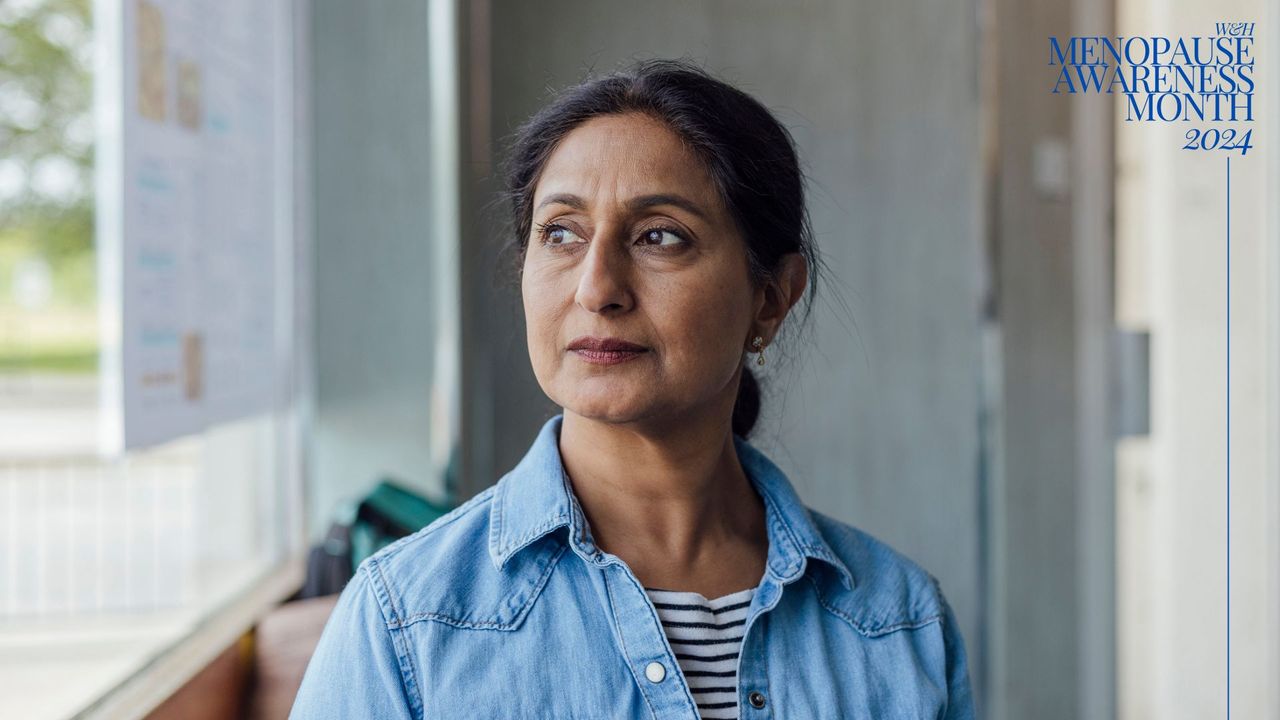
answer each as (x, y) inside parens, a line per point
(750, 156)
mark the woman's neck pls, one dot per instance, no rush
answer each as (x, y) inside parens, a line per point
(676, 506)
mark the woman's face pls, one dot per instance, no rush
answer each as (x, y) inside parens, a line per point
(631, 242)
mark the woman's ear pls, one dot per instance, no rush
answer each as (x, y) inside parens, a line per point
(782, 293)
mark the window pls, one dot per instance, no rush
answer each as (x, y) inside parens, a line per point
(109, 562)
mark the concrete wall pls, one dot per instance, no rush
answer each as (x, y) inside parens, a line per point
(374, 270)
(876, 415)
(1034, 502)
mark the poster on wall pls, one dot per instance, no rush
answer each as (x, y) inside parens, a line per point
(190, 206)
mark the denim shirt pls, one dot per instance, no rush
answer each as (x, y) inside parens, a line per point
(506, 608)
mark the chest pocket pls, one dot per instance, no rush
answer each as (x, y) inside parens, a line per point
(545, 654)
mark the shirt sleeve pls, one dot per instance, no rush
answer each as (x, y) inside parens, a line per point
(356, 670)
(959, 693)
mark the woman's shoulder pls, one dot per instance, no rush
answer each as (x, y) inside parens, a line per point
(890, 590)
(442, 539)
(444, 573)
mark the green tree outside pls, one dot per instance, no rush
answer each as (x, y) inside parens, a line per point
(47, 266)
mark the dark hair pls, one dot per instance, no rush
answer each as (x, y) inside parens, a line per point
(748, 153)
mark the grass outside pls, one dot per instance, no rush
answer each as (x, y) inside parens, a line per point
(60, 340)
(62, 335)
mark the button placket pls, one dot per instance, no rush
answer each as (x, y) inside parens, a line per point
(753, 674)
(644, 645)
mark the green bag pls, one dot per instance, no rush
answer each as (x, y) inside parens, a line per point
(387, 514)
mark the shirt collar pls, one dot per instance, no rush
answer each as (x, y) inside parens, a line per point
(536, 498)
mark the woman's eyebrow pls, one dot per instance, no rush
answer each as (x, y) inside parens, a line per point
(572, 201)
(635, 204)
(647, 201)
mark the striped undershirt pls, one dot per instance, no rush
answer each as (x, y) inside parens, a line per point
(706, 636)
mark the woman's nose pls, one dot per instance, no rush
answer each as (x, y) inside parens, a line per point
(604, 275)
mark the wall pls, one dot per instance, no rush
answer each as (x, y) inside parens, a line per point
(1207, 474)
(374, 263)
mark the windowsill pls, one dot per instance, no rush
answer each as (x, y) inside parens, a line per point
(126, 664)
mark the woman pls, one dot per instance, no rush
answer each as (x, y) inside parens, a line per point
(644, 560)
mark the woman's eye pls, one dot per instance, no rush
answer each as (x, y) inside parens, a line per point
(660, 236)
(558, 235)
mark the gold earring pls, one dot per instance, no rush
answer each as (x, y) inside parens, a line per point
(758, 344)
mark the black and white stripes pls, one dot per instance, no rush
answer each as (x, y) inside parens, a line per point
(706, 636)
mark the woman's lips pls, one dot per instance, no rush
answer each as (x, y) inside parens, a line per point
(605, 350)
(607, 357)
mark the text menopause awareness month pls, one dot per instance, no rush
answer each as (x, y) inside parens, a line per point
(1168, 79)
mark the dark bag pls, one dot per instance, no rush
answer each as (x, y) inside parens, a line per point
(385, 515)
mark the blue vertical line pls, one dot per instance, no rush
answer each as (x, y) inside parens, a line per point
(1228, 437)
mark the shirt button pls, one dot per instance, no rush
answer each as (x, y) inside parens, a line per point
(756, 699)
(655, 672)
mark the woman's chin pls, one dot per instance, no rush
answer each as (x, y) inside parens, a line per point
(610, 407)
